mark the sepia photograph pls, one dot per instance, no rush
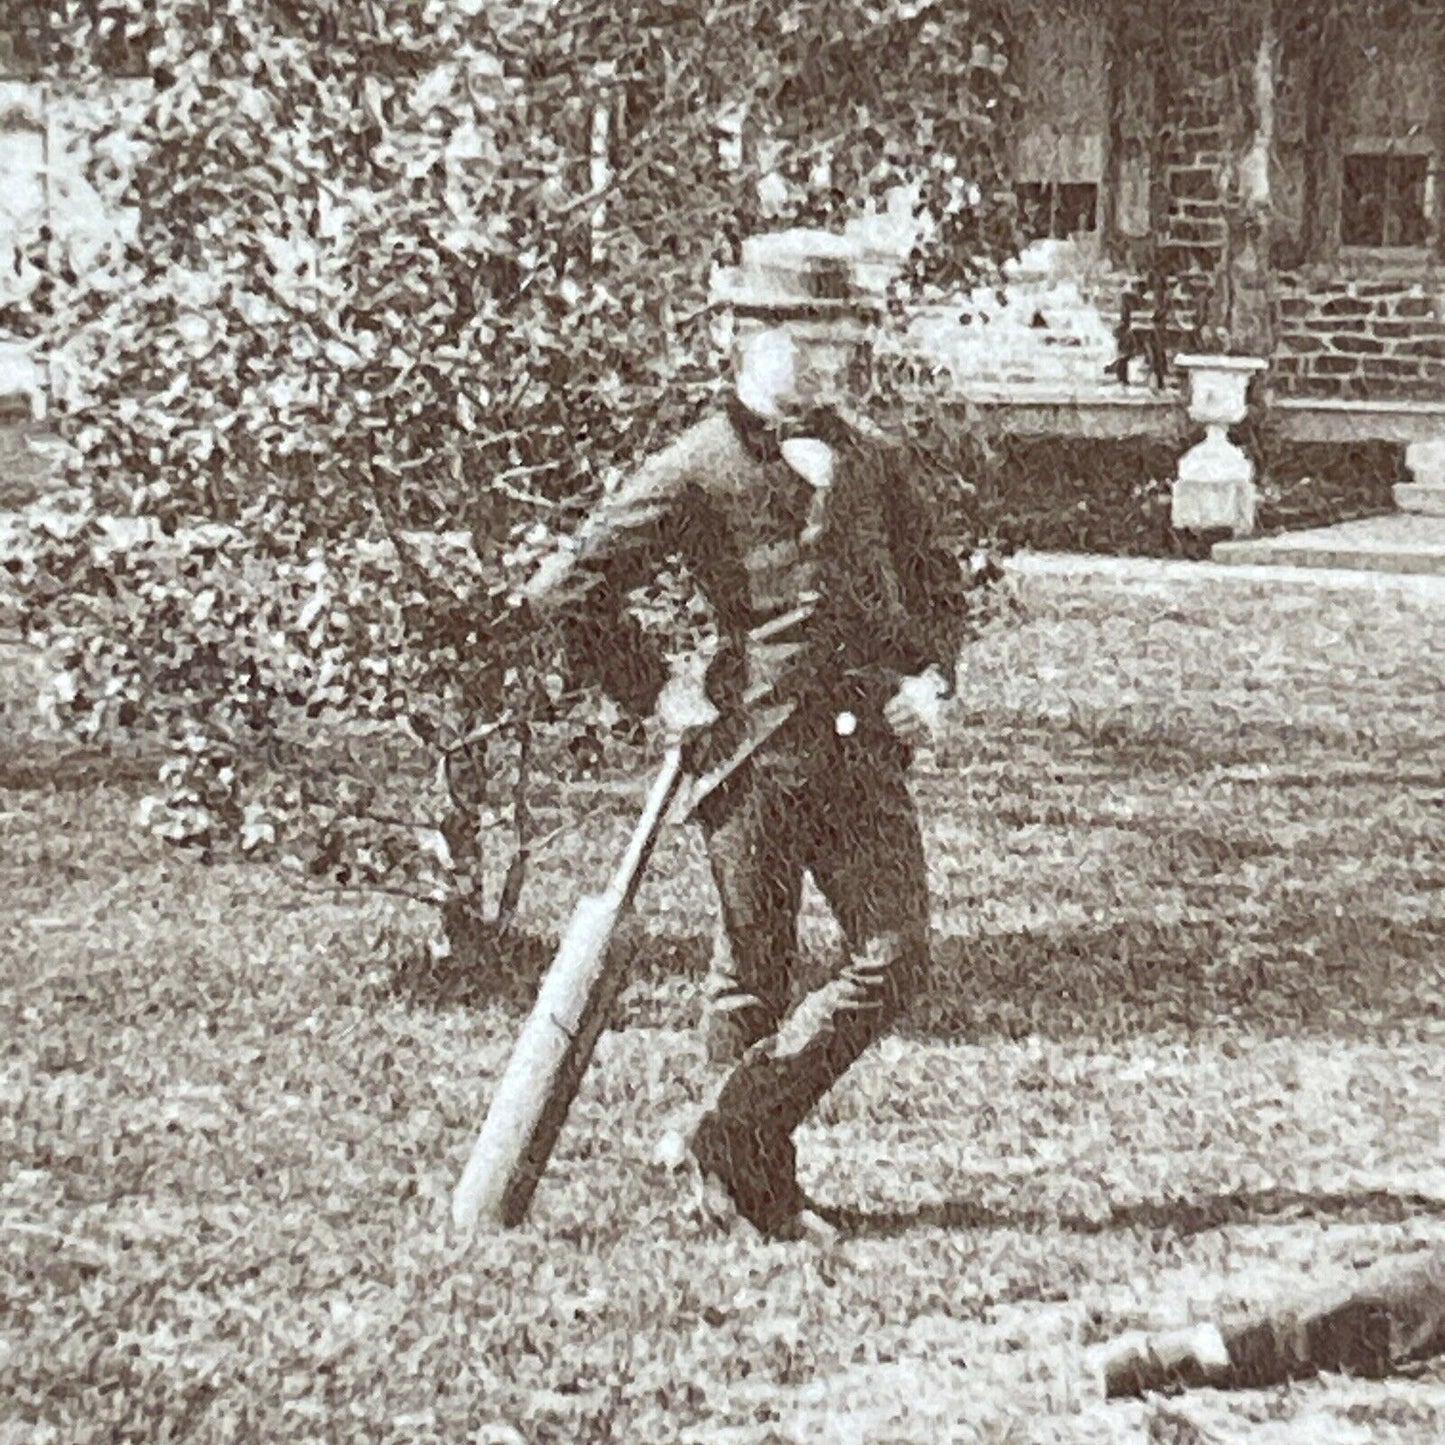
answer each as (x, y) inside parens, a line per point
(722, 722)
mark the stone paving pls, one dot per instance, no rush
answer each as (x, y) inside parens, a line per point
(1399, 542)
(1164, 574)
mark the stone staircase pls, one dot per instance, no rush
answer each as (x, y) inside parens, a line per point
(1410, 540)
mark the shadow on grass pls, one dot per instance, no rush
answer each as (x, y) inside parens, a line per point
(1289, 971)
(31, 764)
(506, 970)
(1182, 1218)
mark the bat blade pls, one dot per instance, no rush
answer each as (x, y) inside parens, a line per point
(547, 1063)
(556, 1044)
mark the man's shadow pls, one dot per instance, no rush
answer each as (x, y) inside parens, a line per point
(1182, 1218)
(1112, 979)
(1105, 980)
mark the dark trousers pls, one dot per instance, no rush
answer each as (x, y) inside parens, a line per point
(839, 809)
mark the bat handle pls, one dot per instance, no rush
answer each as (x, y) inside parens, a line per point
(644, 837)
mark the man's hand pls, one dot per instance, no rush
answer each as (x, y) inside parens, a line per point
(684, 710)
(549, 576)
(915, 711)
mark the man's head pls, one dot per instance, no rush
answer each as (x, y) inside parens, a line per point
(797, 317)
(779, 370)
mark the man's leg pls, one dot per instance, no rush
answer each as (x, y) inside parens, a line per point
(866, 853)
(757, 866)
(759, 888)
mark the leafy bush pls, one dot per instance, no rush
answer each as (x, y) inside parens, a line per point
(401, 269)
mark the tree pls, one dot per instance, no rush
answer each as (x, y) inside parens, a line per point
(409, 283)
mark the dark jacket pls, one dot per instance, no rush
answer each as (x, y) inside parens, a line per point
(824, 598)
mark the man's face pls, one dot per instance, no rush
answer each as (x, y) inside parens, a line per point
(786, 369)
(824, 361)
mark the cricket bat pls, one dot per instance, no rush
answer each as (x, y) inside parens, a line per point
(556, 1043)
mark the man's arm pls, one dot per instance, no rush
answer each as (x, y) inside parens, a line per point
(622, 537)
(584, 586)
(934, 583)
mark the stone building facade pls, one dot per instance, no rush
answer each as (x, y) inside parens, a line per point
(1254, 179)
(1260, 176)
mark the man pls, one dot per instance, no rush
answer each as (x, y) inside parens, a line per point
(839, 617)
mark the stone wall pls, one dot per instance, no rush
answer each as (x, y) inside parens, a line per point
(1337, 332)
(1194, 151)
(1175, 293)
(1342, 338)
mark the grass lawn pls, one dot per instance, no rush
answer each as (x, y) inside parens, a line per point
(1182, 1050)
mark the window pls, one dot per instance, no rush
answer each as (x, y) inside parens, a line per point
(21, 49)
(1360, 121)
(1382, 109)
(1384, 202)
(1058, 160)
(28, 46)
(1056, 209)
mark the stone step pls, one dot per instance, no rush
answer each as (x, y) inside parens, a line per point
(1425, 499)
(1400, 542)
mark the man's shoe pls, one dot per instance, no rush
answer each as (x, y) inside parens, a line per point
(754, 1170)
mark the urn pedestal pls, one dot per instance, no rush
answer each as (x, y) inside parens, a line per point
(1214, 487)
(1424, 494)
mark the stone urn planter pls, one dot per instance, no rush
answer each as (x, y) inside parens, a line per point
(1214, 489)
